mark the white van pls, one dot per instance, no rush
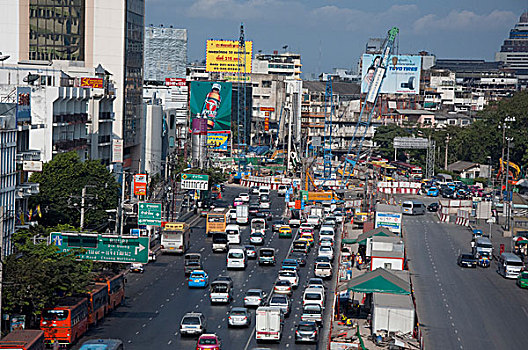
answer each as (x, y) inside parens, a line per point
(236, 258)
(233, 234)
(264, 190)
(509, 265)
(313, 296)
(413, 208)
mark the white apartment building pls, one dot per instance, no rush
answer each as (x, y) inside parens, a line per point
(88, 33)
(287, 64)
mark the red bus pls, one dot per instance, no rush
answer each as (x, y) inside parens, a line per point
(26, 339)
(97, 302)
(116, 288)
(412, 171)
(66, 322)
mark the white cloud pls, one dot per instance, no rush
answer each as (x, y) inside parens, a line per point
(464, 20)
(233, 9)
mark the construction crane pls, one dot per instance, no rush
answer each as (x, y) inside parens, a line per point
(380, 66)
(327, 144)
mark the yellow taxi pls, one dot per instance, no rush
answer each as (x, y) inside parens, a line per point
(285, 231)
(307, 237)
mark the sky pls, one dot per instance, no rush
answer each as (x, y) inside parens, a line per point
(333, 34)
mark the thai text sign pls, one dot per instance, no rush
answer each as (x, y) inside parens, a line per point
(223, 56)
(96, 83)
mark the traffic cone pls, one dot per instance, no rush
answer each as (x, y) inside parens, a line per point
(219, 194)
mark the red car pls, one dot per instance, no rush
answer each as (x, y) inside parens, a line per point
(208, 341)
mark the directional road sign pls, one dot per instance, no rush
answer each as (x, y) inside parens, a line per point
(108, 248)
(195, 182)
(149, 214)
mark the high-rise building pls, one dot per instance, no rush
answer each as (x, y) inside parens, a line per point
(165, 53)
(88, 33)
(514, 50)
(8, 176)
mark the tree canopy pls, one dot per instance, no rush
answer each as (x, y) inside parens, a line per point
(473, 143)
(38, 275)
(61, 183)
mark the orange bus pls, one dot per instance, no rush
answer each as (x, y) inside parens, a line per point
(216, 220)
(116, 290)
(97, 302)
(24, 339)
(66, 322)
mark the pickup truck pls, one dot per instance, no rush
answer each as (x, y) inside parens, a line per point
(323, 270)
(312, 312)
(295, 219)
(220, 292)
(313, 220)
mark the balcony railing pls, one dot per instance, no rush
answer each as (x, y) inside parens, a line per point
(73, 118)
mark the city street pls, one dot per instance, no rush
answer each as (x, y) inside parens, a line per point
(157, 299)
(460, 308)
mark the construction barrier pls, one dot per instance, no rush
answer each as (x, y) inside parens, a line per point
(399, 187)
(462, 217)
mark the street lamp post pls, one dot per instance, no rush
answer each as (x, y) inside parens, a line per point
(508, 198)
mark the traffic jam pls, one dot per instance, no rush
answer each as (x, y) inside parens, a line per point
(296, 281)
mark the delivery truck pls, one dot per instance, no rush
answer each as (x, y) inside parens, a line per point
(268, 324)
(242, 214)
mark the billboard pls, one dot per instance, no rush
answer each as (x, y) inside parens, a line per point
(212, 101)
(23, 107)
(402, 75)
(218, 141)
(222, 56)
(175, 82)
(392, 221)
(140, 184)
(96, 83)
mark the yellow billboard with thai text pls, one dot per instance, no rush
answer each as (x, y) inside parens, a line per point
(223, 56)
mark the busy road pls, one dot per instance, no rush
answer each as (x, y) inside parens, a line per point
(460, 308)
(158, 299)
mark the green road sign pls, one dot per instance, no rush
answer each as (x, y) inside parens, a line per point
(149, 214)
(195, 182)
(108, 248)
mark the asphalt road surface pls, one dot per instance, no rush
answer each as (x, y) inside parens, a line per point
(157, 299)
(461, 308)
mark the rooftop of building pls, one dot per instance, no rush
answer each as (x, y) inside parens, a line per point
(339, 88)
(467, 65)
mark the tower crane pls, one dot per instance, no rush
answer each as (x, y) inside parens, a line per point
(367, 109)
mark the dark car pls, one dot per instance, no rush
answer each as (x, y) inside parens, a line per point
(277, 224)
(300, 257)
(325, 259)
(448, 193)
(467, 260)
(253, 209)
(264, 214)
(433, 207)
(306, 331)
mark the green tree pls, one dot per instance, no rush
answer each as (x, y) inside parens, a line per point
(38, 275)
(61, 183)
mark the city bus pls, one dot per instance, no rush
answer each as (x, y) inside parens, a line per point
(385, 170)
(116, 288)
(408, 170)
(97, 302)
(23, 339)
(175, 238)
(216, 220)
(66, 322)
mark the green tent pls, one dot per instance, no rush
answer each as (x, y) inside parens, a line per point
(379, 281)
(362, 238)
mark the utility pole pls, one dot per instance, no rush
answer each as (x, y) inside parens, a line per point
(122, 202)
(288, 113)
(446, 151)
(508, 207)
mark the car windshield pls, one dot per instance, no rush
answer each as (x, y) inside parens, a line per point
(278, 300)
(315, 281)
(312, 296)
(238, 313)
(289, 262)
(283, 283)
(55, 315)
(312, 309)
(236, 255)
(515, 263)
(267, 253)
(207, 341)
(303, 327)
(250, 248)
(407, 205)
(485, 245)
(219, 239)
(219, 288)
(192, 263)
(197, 275)
(253, 293)
(287, 274)
(467, 256)
(191, 320)
(257, 234)
(323, 266)
(325, 248)
(232, 232)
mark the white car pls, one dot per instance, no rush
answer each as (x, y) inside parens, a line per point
(282, 190)
(326, 232)
(289, 275)
(326, 241)
(232, 214)
(306, 225)
(323, 270)
(256, 238)
(254, 297)
(326, 250)
(313, 219)
(244, 197)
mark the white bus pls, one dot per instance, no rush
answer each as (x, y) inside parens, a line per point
(175, 238)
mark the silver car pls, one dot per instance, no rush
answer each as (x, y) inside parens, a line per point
(254, 297)
(239, 317)
(281, 301)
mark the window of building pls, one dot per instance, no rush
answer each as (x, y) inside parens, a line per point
(56, 29)
(266, 83)
(172, 121)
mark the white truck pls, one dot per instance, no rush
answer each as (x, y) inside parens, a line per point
(175, 238)
(318, 211)
(258, 225)
(268, 324)
(242, 214)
